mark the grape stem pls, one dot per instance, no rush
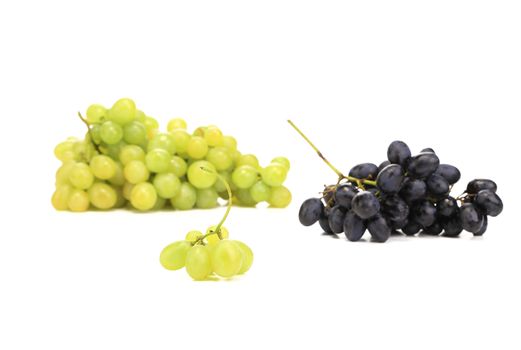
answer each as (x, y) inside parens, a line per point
(341, 176)
(96, 146)
(229, 206)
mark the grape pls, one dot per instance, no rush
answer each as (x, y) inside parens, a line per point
(323, 221)
(103, 167)
(202, 174)
(181, 139)
(158, 160)
(244, 198)
(390, 179)
(354, 227)
(411, 228)
(336, 219)
(344, 194)
(62, 174)
(437, 185)
(260, 192)
(80, 176)
(95, 113)
(162, 141)
(489, 202)
(60, 197)
(113, 151)
(167, 185)
(122, 112)
(394, 208)
(364, 171)
(64, 151)
(135, 133)
(78, 201)
(244, 176)
(247, 159)
(220, 158)
(220, 187)
(206, 198)
(427, 150)
(471, 218)
(424, 213)
(378, 228)
(119, 178)
(283, 161)
(152, 125)
(95, 133)
(102, 196)
(198, 262)
(230, 143)
(186, 197)
(483, 228)
(121, 201)
(435, 229)
(129, 153)
(423, 165)
(452, 226)
(173, 256)
(365, 204)
(447, 206)
(481, 184)
(140, 116)
(280, 197)
(383, 165)
(398, 153)
(176, 123)
(143, 196)
(310, 211)
(213, 239)
(247, 257)
(449, 172)
(413, 190)
(226, 258)
(111, 133)
(193, 236)
(274, 174)
(213, 136)
(178, 166)
(127, 190)
(135, 172)
(197, 147)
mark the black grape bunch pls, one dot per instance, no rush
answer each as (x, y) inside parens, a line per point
(405, 193)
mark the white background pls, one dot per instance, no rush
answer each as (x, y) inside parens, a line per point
(354, 75)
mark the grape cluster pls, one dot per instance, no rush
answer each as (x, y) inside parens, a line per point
(124, 160)
(405, 192)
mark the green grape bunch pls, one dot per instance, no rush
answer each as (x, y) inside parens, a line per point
(124, 161)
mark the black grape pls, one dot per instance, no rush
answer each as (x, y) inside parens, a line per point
(423, 165)
(427, 150)
(354, 227)
(390, 179)
(378, 228)
(435, 229)
(489, 202)
(364, 171)
(336, 219)
(447, 206)
(413, 190)
(471, 218)
(324, 221)
(310, 211)
(398, 153)
(394, 208)
(411, 228)
(424, 213)
(483, 227)
(452, 226)
(344, 195)
(383, 165)
(477, 185)
(365, 204)
(437, 185)
(449, 172)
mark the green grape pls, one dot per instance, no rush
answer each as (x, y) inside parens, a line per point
(78, 201)
(186, 197)
(135, 172)
(230, 143)
(127, 190)
(122, 112)
(244, 198)
(140, 116)
(247, 255)
(197, 147)
(95, 113)
(119, 178)
(220, 186)
(280, 197)
(158, 160)
(198, 262)
(102, 196)
(176, 123)
(173, 256)
(247, 159)
(274, 174)
(160, 204)
(178, 166)
(113, 151)
(152, 125)
(283, 161)
(167, 185)
(135, 133)
(129, 153)
(120, 200)
(103, 167)
(62, 174)
(60, 197)
(206, 198)
(213, 136)
(213, 238)
(201, 178)
(64, 151)
(143, 196)
(162, 141)
(80, 176)
(181, 140)
(111, 133)
(95, 133)
(226, 258)
(244, 176)
(193, 236)
(260, 192)
(199, 131)
(220, 157)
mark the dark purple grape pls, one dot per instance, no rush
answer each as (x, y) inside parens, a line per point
(489, 202)
(394, 208)
(427, 150)
(324, 221)
(435, 229)
(398, 225)
(424, 213)
(336, 219)
(383, 165)
(398, 153)
(364, 171)
(344, 195)
(471, 218)
(423, 165)
(447, 206)
(483, 228)
(354, 227)
(390, 179)
(481, 184)
(380, 231)
(413, 190)
(373, 190)
(452, 226)
(310, 211)
(411, 228)
(449, 172)
(437, 185)
(365, 204)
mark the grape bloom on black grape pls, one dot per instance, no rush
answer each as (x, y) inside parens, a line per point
(405, 194)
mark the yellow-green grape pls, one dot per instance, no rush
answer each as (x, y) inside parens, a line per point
(158, 160)
(226, 258)
(152, 125)
(181, 140)
(220, 186)
(213, 238)
(283, 161)
(198, 262)
(95, 113)
(80, 176)
(186, 197)
(244, 198)
(95, 133)
(163, 141)
(129, 153)
(173, 256)
(64, 151)
(143, 196)
(140, 116)
(167, 185)
(135, 133)
(102, 196)
(193, 236)
(199, 131)
(244, 176)
(60, 197)
(178, 166)
(103, 167)
(121, 200)
(206, 198)
(176, 123)
(111, 132)
(62, 174)
(160, 204)
(122, 112)
(280, 197)
(274, 174)
(197, 147)
(119, 178)
(230, 143)
(213, 136)
(127, 190)
(78, 201)
(247, 159)
(202, 178)
(260, 192)
(136, 171)
(247, 255)
(113, 151)
(220, 157)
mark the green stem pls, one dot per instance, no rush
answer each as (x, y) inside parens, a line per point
(229, 206)
(96, 146)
